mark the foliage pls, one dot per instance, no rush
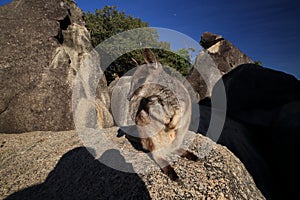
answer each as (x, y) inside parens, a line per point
(108, 22)
(179, 60)
(258, 62)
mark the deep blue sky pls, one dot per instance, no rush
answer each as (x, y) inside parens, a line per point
(265, 30)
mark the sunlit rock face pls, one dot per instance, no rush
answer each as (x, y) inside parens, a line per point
(42, 46)
(218, 57)
(224, 53)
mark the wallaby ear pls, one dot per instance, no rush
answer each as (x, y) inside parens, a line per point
(149, 56)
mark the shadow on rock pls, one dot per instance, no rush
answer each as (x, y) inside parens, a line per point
(78, 175)
(262, 126)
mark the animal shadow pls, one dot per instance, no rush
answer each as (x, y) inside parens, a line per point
(78, 175)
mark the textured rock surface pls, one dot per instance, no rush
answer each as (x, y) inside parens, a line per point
(219, 57)
(42, 46)
(90, 98)
(49, 165)
(263, 123)
(224, 53)
(204, 75)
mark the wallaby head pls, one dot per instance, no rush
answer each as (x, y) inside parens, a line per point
(145, 74)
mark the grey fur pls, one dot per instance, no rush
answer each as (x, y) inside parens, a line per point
(160, 105)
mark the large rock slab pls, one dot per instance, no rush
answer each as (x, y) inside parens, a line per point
(262, 125)
(218, 57)
(42, 46)
(51, 165)
(223, 52)
(204, 75)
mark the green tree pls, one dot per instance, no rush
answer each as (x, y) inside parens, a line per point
(108, 22)
(180, 60)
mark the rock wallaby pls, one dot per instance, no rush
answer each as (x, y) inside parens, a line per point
(160, 105)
